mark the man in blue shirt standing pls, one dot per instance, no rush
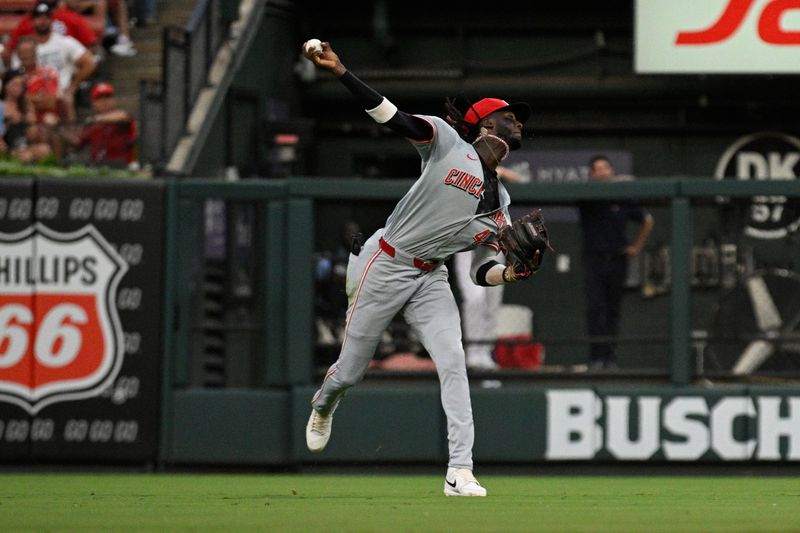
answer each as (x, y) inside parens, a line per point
(606, 250)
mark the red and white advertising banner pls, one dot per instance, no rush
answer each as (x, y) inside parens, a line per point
(717, 36)
(60, 332)
(81, 265)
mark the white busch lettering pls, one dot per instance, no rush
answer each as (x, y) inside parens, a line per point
(572, 431)
(620, 445)
(723, 418)
(772, 426)
(733, 428)
(693, 432)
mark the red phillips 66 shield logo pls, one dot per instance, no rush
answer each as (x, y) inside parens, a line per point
(60, 334)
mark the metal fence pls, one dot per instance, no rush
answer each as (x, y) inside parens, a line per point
(693, 325)
(187, 55)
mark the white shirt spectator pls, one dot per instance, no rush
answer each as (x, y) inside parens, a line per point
(60, 52)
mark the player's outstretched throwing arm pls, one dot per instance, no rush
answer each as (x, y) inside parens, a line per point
(378, 107)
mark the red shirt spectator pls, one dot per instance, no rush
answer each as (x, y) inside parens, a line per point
(111, 132)
(65, 22)
(42, 87)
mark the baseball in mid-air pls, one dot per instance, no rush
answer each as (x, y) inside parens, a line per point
(313, 46)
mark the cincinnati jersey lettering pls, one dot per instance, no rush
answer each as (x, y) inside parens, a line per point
(465, 181)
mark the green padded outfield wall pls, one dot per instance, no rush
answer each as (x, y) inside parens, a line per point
(528, 424)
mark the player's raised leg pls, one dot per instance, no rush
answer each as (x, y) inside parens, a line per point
(343, 374)
(373, 304)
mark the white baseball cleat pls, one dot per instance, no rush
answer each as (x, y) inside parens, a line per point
(318, 431)
(461, 482)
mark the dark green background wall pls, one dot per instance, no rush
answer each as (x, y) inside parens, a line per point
(573, 62)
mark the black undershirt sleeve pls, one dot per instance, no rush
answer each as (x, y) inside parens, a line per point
(366, 95)
(480, 275)
(401, 123)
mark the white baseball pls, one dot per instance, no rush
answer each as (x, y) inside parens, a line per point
(313, 46)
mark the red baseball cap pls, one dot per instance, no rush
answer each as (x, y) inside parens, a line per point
(486, 106)
(102, 89)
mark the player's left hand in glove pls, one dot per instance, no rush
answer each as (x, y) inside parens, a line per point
(524, 242)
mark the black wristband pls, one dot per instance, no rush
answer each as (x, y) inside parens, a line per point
(480, 275)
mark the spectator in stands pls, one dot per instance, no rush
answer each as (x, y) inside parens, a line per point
(42, 84)
(73, 62)
(146, 12)
(118, 19)
(23, 139)
(43, 97)
(65, 22)
(115, 13)
(110, 133)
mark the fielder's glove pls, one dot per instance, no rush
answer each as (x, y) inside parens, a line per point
(524, 243)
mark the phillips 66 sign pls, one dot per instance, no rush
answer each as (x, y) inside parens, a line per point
(59, 328)
(80, 319)
(718, 36)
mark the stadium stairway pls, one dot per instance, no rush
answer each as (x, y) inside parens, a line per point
(125, 73)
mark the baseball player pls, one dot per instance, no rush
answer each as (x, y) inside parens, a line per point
(456, 204)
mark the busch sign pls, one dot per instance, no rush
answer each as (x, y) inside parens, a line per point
(60, 335)
(581, 424)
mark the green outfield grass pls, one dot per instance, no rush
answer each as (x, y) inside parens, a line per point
(322, 503)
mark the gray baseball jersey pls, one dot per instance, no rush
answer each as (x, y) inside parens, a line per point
(437, 217)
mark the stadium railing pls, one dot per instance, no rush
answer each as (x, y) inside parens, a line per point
(187, 54)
